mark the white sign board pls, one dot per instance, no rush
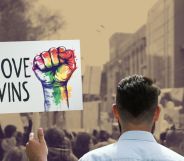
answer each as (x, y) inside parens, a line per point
(37, 76)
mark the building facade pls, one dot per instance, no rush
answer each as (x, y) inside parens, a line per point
(165, 40)
(130, 58)
(115, 41)
(133, 54)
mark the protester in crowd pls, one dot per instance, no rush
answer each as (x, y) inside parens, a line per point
(71, 136)
(103, 139)
(95, 136)
(103, 136)
(163, 137)
(59, 147)
(9, 141)
(27, 130)
(19, 139)
(83, 144)
(136, 110)
(115, 133)
(16, 154)
(54, 137)
(173, 140)
(10, 131)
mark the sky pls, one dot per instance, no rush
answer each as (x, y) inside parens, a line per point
(94, 21)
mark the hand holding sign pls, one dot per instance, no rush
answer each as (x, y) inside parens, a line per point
(54, 68)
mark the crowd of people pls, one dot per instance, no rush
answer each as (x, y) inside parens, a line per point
(13, 142)
(174, 139)
(62, 145)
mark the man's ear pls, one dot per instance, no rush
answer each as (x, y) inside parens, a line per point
(156, 114)
(115, 112)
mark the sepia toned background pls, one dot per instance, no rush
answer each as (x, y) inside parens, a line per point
(118, 38)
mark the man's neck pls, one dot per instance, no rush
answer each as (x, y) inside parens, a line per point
(133, 127)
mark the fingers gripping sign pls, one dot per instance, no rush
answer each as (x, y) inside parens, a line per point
(53, 68)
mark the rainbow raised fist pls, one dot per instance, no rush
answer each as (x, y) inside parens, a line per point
(54, 68)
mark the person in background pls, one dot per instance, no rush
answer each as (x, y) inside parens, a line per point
(115, 133)
(71, 136)
(19, 139)
(103, 139)
(95, 136)
(9, 141)
(59, 147)
(163, 137)
(16, 154)
(82, 144)
(175, 139)
(27, 130)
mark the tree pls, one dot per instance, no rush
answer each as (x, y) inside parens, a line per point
(17, 24)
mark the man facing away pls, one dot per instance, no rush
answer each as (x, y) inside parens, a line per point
(136, 111)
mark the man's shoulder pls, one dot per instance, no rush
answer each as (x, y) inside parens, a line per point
(168, 153)
(103, 150)
(110, 151)
(96, 154)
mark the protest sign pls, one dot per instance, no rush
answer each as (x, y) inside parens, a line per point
(37, 76)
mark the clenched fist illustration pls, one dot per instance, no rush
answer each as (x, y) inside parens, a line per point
(54, 68)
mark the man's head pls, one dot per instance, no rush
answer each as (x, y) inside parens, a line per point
(137, 100)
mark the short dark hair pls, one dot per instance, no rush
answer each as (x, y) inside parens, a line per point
(137, 98)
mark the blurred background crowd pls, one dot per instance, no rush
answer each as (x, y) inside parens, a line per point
(70, 146)
(62, 144)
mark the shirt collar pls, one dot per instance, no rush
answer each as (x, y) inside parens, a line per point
(137, 135)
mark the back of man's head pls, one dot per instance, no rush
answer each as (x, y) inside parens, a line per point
(137, 99)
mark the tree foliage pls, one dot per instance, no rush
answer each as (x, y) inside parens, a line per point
(17, 24)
